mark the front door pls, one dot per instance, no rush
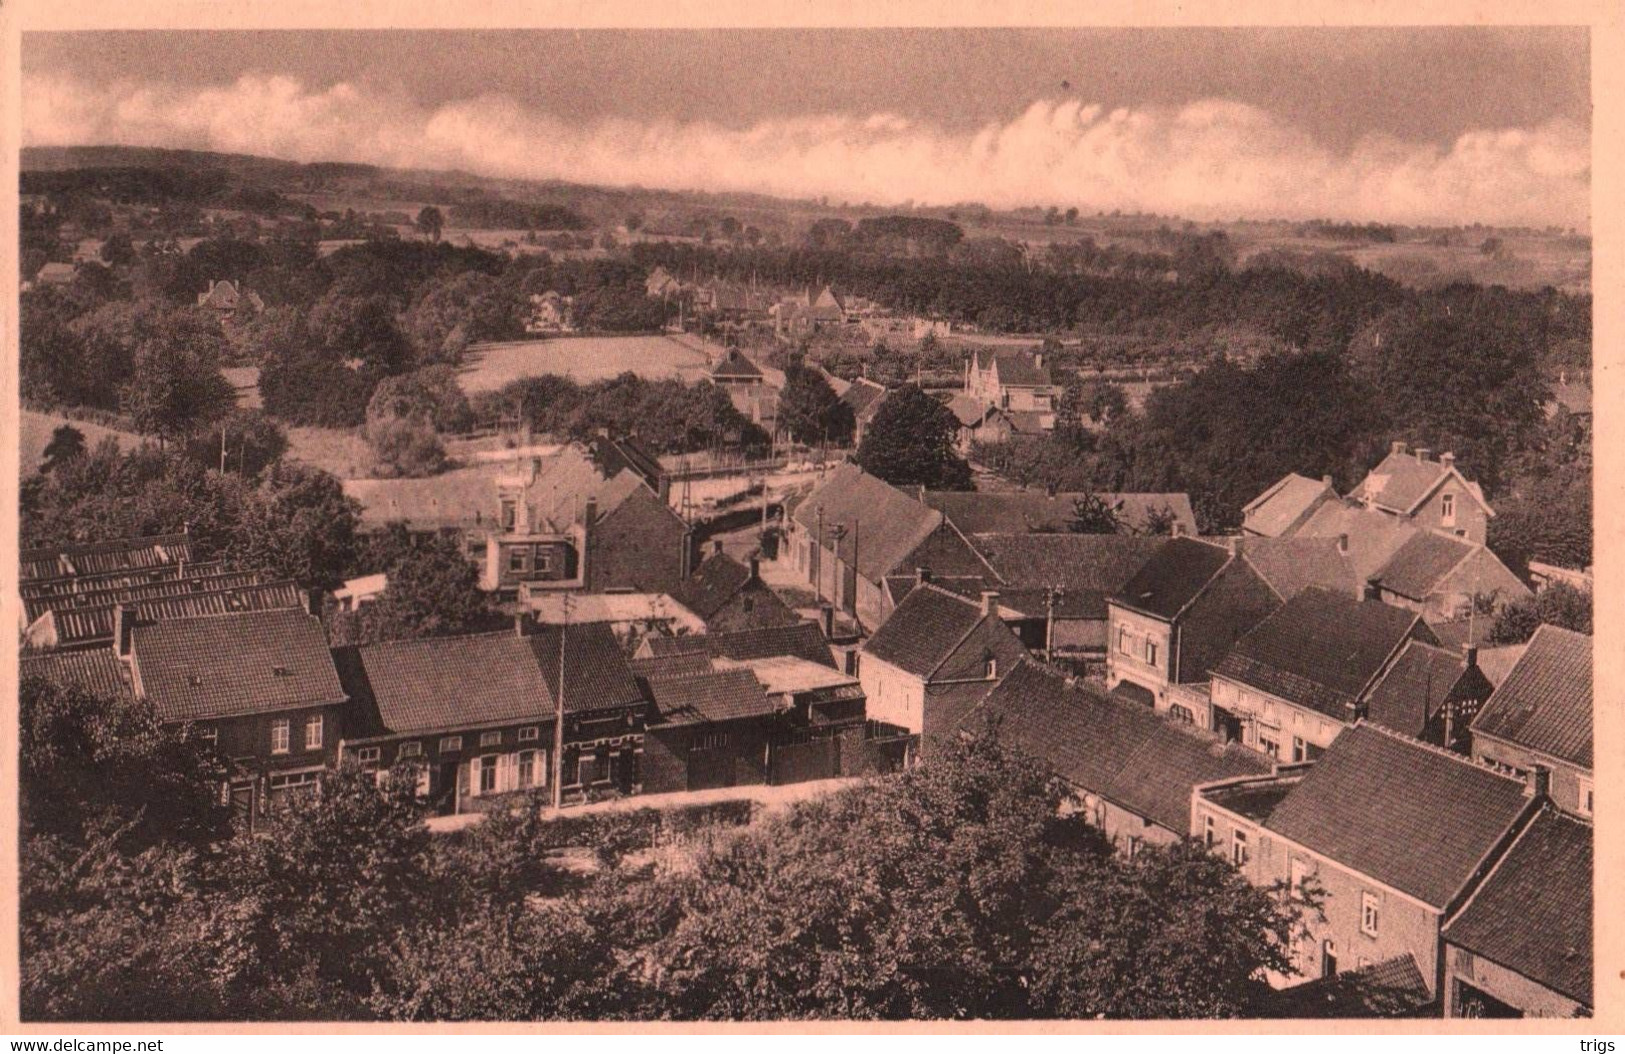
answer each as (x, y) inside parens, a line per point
(1328, 959)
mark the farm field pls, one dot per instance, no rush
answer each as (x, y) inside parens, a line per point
(339, 451)
(35, 434)
(583, 359)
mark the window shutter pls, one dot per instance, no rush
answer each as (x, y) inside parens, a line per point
(508, 773)
(462, 779)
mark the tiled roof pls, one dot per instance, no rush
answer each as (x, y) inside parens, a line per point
(97, 671)
(968, 409)
(95, 558)
(1320, 650)
(128, 593)
(1291, 565)
(1392, 988)
(71, 586)
(1374, 537)
(1117, 749)
(596, 674)
(718, 581)
(721, 695)
(1288, 500)
(1172, 577)
(735, 364)
(1415, 687)
(218, 666)
(924, 630)
(1416, 818)
(682, 665)
(803, 640)
(448, 682)
(1497, 663)
(1415, 570)
(888, 524)
(1545, 702)
(1402, 481)
(1533, 913)
(1037, 511)
(613, 453)
(787, 674)
(84, 625)
(1085, 568)
(864, 397)
(1016, 368)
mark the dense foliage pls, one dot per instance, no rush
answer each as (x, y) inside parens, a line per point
(670, 416)
(910, 442)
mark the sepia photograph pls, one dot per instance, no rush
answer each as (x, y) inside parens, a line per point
(804, 524)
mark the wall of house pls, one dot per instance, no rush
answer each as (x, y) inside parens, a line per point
(638, 546)
(991, 638)
(539, 562)
(1569, 783)
(1495, 980)
(1274, 720)
(671, 762)
(753, 607)
(249, 737)
(1470, 516)
(1127, 634)
(449, 768)
(894, 696)
(1196, 699)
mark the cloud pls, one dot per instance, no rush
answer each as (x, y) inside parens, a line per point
(1209, 159)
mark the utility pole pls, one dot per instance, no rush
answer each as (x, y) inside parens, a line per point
(1049, 624)
(818, 559)
(222, 446)
(558, 723)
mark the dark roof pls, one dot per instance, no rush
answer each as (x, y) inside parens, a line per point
(1015, 512)
(719, 695)
(1391, 988)
(102, 557)
(612, 454)
(803, 640)
(128, 592)
(1533, 913)
(1320, 650)
(1291, 565)
(864, 397)
(924, 630)
(1117, 749)
(682, 665)
(85, 625)
(447, 682)
(1401, 481)
(97, 671)
(889, 524)
(735, 364)
(1235, 601)
(597, 677)
(1015, 368)
(218, 666)
(1084, 568)
(716, 582)
(1545, 702)
(1172, 577)
(1416, 818)
(1416, 686)
(72, 585)
(1415, 570)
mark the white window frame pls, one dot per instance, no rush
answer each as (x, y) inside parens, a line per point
(530, 734)
(1300, 872)
(369, 755)
(281, 736)
(490, 739)
(281, 781)
(1370, 913)
(314, 729)
(412, 749)
(1447, 509)
(451, 744)
(1150, 652)
(516, 559)
(1122, 640)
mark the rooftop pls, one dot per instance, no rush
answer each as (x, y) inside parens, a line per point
(439, 683)
(1544, 704)
(1037, 511)
(1174, 576)
(924, 630)
(1417, 686)
(96, 670)
(1286, 502)
(803, 640)
(1405, 479)
(718, 695)
(883, 524)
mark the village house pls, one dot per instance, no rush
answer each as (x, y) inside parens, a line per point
(1291, 685)
(661, 285)
(1427, 493)
(865, 398)
(1521, 946)
(153, 553)
(802, 640)
(936, 656)
(227, 298)
(1012, 381)
(93, 622)
(1537, 725)
(733, 367)
(1286, 505)
(1388, 835)
(711, 728)
(977, 512)
(258, 685)
(550, 312)
(1430, 693)
(1131, 771)
(853, 530)
(726, 595)
(97, 671)
(1175, 618)
(612, 454)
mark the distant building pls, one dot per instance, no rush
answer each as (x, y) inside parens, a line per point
(1042, 512)
(661, 284)
(56, 274)
(227, 298)
(550, 312)
(727, 595)
(865, 398)
(1284, 507)
(1012, 381)
(734, 368)
(1426, 493)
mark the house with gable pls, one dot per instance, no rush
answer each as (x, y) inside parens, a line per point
(660, 284)
(1013, 381)
(802, 640)
(1286, 505)
(1389, 835)
(1291, 684)
(227, 298)
(1537, 725)
(864, 397)
(936, 656)
(1521, 946)
(726, 595)
(1430, 693)
(1426, 492)
(733, 367)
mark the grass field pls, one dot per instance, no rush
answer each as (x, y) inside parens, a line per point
(340, 451)
(35, 434)
(583, 359)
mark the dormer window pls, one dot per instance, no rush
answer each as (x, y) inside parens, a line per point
(1447, 510)
(992, 668)
(510, 513)
(280, 671)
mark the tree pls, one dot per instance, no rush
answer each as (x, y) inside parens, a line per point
(1558, 604)
(911, 442)
(245, 441)
(118, 251)
(433, 590)
(176, 388)
(405, 447)
(297, 523)
(1091, 515)
(67, 443)
(431, 395)
(430, 222)
(811, 411)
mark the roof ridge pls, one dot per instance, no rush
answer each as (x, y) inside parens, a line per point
(215, 614)
(1431, 748)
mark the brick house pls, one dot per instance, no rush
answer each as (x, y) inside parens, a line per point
(1522, 944)
(1430, 693)
(1176, 617)
(1391, 834)
(1291, 684)
(86, 618)
(1012, 381)
(1131, 771)
(734, 368)
(936, 656)
(1540, 718)
(711, 728)
(726, 595)
(260, 685)
(1426, 493)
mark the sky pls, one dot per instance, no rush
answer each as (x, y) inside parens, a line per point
(1414, 125)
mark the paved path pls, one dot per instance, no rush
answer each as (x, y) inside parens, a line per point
(772, 799)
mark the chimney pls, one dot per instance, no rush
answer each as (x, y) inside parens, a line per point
(1540, 782)
(1176, 529)
(663, 488)
(1472, 656)
(314, 601)
(755, 568)
(1038, 360)
(1326, 479)
(716, 546)
(1342, 543)
(1448, 459)
(826, 616)
(1373, 589)
(519, 624)
(922, 575)
(1424, 453)
(1396, 447)
(990, 602)
(590, 515)
(123, 625)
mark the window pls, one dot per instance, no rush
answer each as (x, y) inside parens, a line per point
(295, 780)
(410, 750)
(1370, 914)
(313, 732)
(710, 741)
(510, 510)
(529, 734)
(207, 733)
(992, 671)
(451, 744)
(1269, 746)
(1300, 751)
(488, 774)
(1210, 836)
(516, 559)
(544, 562)
(1300, 871)
(527, 768)
(1447, 510)
(1122, 640)
(1151, 652)
(1238, 848)
(1183, 714)
(490, 739)
(748, 603)
(1586, 794)
(279, 736)
(369, 755)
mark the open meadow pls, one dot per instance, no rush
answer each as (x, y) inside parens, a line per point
(487, 367)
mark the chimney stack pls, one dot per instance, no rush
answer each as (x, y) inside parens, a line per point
(1342, 543)
(922, 575)
(1373, 589)
(663, 488)
(1472, 656)
(716, 546)
(1448, 459)
(1326, 479)
(590, 516)
(1176, 529)
(1540, 782)
(1397, 447)
(1424, 453)
(826, 616)
(314, 601)
(990, 602)
(755, 567)
(519, 624)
